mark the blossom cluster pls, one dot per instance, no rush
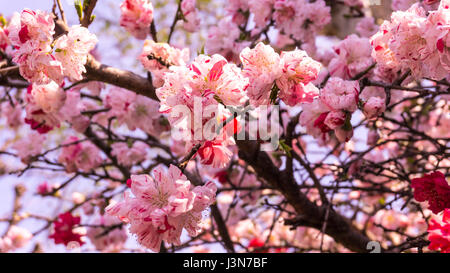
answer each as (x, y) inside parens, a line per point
(76, 155)
(136, 111)
(415, 40)
(207, 83)
(43, 59)
(332, 110)
(292, 71)
(162, 206)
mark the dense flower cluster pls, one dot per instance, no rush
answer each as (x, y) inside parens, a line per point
(412, 40)
(162, 206)
(386, 84)
(332, 110)
(42, 59)
(293, 73)
(202, 87)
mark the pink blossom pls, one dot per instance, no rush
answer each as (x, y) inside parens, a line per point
(293, 94)
(29, 146)
(49, 97)
(262, 10)
(374, 107)
(4, 40)
(29, 26)
(31, 34)
(235, 9)
(298, 70)
(402, 5)
(129, 156)
(13, 114)
(223, 39)
(353, 57)
(366, 27)
(339, 94)
(262, 66)
(71, 111)
(136, 17)
(79, 155)
(438, 37)
(72, 49)
(136, 111)
(214, 153)
(335, 119)
(206, 75)
(113, 240)
(313, 117)
(192, 23)
(16, 237)
(158, 57)
(162, 206)
(301, 19)
(37, 66)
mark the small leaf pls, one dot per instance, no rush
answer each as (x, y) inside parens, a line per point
(286, 148)
(79, 8)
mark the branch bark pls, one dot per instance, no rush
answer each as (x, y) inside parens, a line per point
(311, 215)
(99, 72)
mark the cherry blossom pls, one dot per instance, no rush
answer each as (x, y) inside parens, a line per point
(128, 156)
(162, 206)
(438, 233)
(113, 240)
(432, 188)
(64, 230)
(136, 17)
(72, 49)
(189, 11)
(16, 237)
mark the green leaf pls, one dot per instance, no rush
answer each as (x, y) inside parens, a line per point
(286, 148)
(201, 51)
(79, 8)
(3, 21)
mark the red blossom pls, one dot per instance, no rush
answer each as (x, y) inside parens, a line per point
(432, 188)
(63, 229)
(439, 233)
